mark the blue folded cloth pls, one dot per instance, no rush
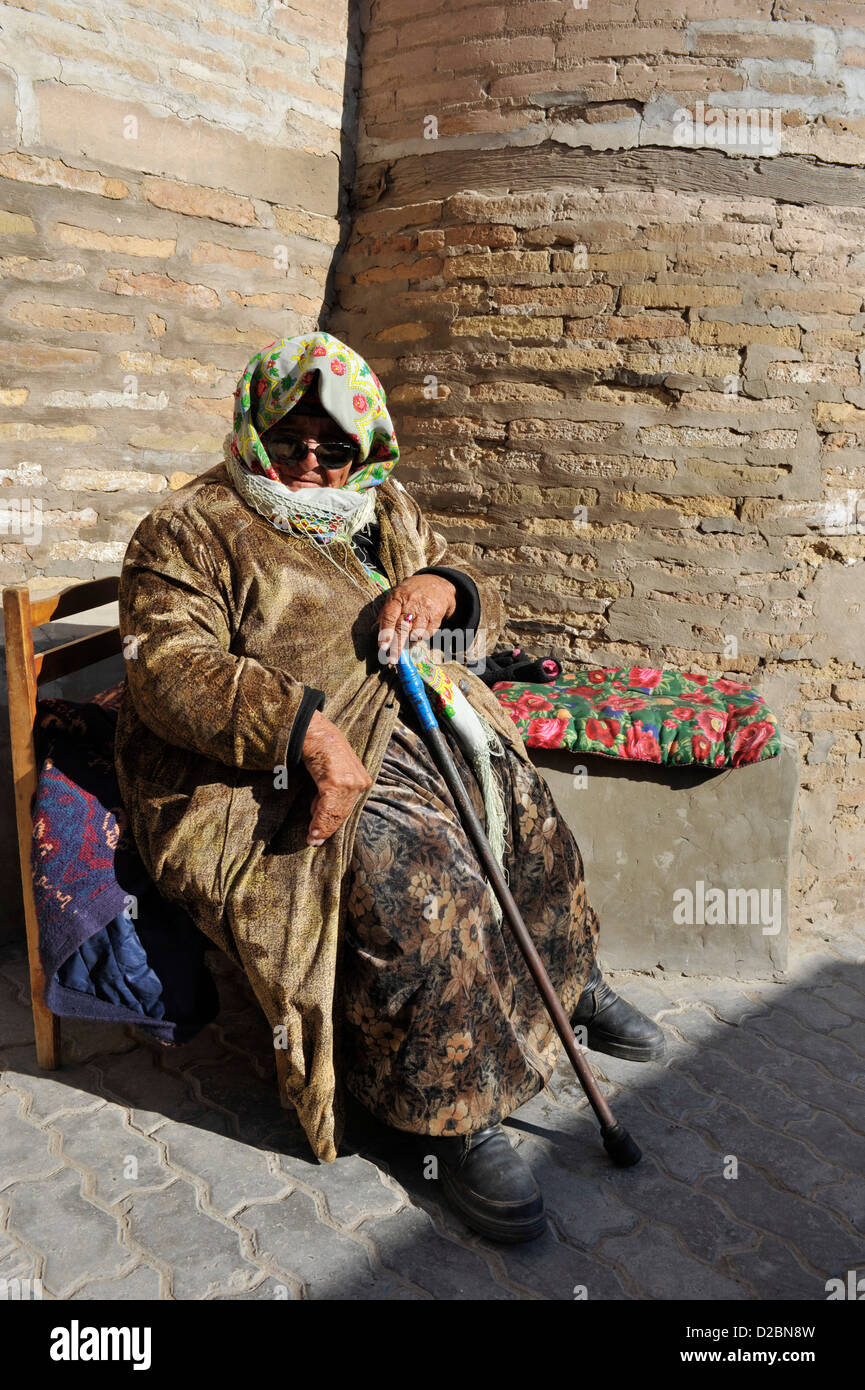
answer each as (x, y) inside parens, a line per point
(111, 946)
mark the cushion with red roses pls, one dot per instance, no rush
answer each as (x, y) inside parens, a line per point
(646, 715)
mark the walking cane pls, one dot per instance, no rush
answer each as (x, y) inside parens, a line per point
(617, 1142)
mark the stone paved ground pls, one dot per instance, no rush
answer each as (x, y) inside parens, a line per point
(138, 1171)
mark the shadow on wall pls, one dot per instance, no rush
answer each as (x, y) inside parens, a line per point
(347, 164)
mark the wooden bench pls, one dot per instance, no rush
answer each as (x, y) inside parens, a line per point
(648, 831)
(616, 807)
(26, 671)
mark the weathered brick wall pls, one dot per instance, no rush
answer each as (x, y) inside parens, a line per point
(578, 297)
(170, 200)
(173, 185)
(570, 303)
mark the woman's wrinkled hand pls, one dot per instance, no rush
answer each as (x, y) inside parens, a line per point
(338, 773)
(413, 611)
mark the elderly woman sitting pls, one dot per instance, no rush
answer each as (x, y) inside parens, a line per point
(278, 785)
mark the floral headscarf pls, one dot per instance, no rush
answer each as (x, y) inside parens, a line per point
(349, 389)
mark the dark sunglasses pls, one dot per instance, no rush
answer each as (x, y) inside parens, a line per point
(333, 455)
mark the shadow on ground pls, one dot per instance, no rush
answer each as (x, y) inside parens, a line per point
(138, 1171)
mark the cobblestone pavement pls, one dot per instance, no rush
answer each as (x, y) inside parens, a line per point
(138, 1171)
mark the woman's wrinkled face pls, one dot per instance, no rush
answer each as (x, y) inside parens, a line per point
(311, 429)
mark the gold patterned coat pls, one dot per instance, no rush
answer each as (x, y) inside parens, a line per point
(225, 621)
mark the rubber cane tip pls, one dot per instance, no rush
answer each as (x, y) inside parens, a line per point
(621, 1147)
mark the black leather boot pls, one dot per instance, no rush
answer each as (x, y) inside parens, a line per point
(614, 1026)
(488, 1183)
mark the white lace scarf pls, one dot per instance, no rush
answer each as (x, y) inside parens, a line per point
(288, 510)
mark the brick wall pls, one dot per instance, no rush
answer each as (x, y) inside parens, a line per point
(583, 289)
(173, 187)
(170, 180)
(604, 256)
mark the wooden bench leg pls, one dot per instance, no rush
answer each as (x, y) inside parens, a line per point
(21, 681)
(46, 1025)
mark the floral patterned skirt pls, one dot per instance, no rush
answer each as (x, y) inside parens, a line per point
(442, 1028)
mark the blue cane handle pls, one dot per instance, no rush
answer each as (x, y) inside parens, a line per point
(414, 688)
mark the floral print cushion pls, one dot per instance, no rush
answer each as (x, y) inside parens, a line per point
(646, 715)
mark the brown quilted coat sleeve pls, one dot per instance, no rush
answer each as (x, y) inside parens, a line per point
(186, 685)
